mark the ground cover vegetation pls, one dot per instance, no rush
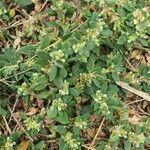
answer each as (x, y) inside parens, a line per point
(73, 73)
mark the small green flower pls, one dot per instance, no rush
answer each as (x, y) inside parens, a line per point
(9, 144)
(59, 104)
(118, 132)
(79, 46)
(23, 90)
(86, 78)
(80, 123)
(65, 88)
(99, 96)
(142, 16)
(30, 124)
(101, 99)
(57, 56)
(72, 142)
(137, 139)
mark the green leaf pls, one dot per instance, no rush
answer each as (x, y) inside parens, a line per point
(127, 145)
(39, 83)
(97, 83)
(53, 72)
(121, 40)
(143, 42)
(24, 2)
(28, 50)
(58, 82)
(43, 95)
(61, 129)
(62, 72)
(62, 117)
(90, 65)
(106, 32)
(40, 146)
(52, 112)
(45, 41)
(121, 11)
(10, 55)
(74, 92)
(115, 76)
(42, 58)
(3, 112)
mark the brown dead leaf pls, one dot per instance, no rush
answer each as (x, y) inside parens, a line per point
(145, 104)
(134, 120)
(38, 7)
(23, 145)
(32, 111)
(40, 103)
(52, 18)
(37, 4)
(147, 55)
(16, 115)
(36, 1)
(16, 42)
(136, 54)
(92, 7)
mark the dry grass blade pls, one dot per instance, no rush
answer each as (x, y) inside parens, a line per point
(7, 126)
(142, 94)
(136, 101)
(43, 5)
(15, 104)
(20, 125)
(96, 135)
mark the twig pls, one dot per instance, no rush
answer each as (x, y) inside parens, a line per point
(15, 25)
(135, 101)
(43, 5)
(131, 66)
(7, 126)
(19, 124)
(142, 111)
(142, 94)
(96, 135)
(19, 73)
(138, 46)
(79, 26)
(88, 147)
(16, 101)
(15, 128)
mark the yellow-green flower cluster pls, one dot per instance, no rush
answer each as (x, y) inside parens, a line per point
(119, 132)
(30, 124)
(59, 104)
(101, 98)
(80, 123)
(137, 139)
(65, 88)
(57, 56)
(7, 70)
(142, 21)
(85, 78)
(132, 37)
(9, 144)
(79, 46)
(23, 90)
(132, 78)
(72, 142)
(35, 75)
(92, 34)
(58, 5)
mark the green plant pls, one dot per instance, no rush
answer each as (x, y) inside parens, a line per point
(69, 72)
